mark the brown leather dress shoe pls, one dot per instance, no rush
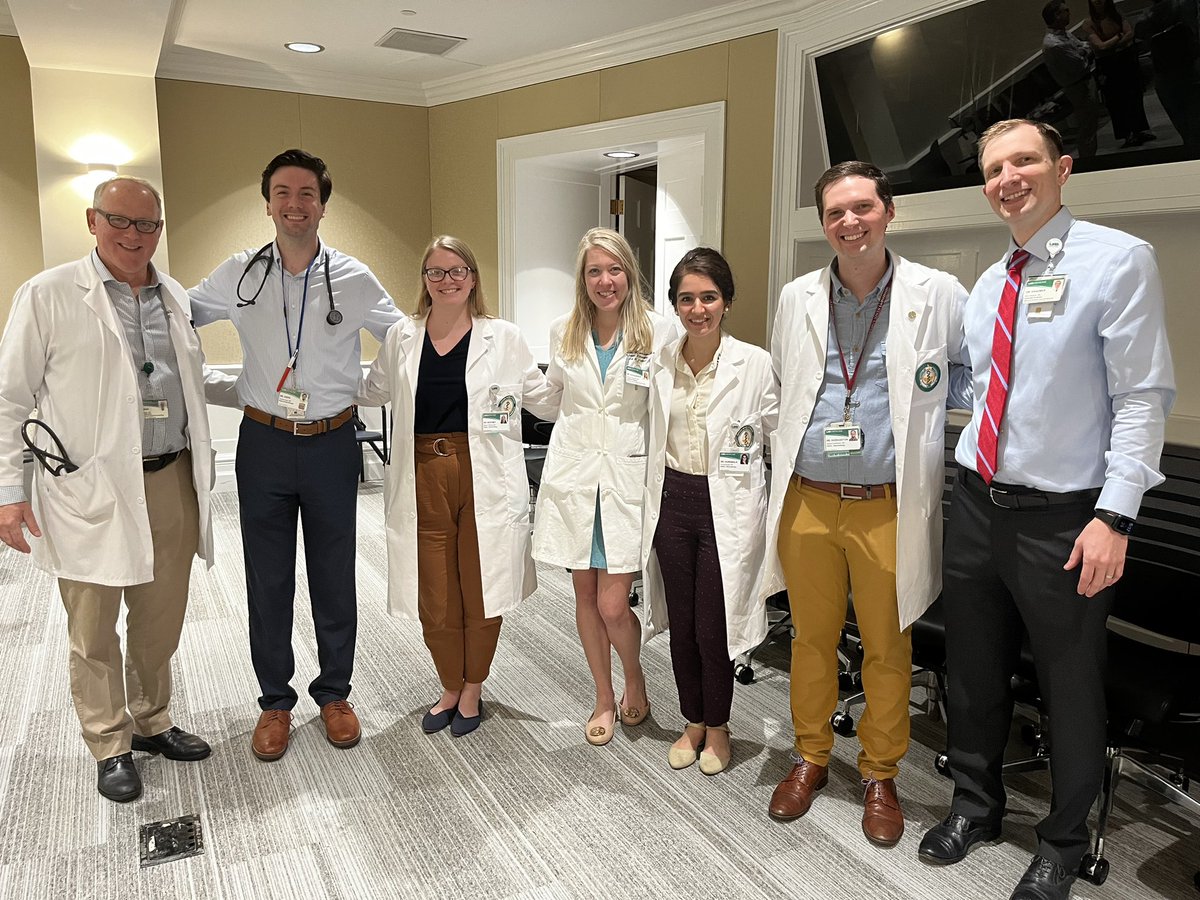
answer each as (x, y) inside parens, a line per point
(271, 734)
(341, 724)
(882, 822)
(794, 795)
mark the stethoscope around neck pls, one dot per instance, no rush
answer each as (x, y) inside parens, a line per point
(333, 317)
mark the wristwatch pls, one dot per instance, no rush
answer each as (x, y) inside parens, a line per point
(1117, 522)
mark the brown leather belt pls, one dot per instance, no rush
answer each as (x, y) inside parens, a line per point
(302, 429)
(852, 491)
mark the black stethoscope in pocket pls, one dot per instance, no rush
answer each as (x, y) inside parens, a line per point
(55, 463)
(333, 317)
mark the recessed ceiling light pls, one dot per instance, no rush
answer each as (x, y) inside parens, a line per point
(303, 47)
(408, 12)
(622, 154)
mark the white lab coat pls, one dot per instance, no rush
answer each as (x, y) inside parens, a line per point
(65, 352)
(598, 444)
(743, 394)
(499, 365)
(924, 327)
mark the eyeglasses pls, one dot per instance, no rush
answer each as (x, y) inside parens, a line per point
(458, 273)
(145, 226)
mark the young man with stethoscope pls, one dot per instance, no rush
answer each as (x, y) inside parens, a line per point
(298, 306)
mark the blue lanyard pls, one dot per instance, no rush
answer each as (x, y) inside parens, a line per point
(293, 356)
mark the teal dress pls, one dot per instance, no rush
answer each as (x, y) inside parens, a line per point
(603, 357)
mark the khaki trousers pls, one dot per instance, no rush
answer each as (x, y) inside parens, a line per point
(460, 638)
(829, 546)
(116, 697)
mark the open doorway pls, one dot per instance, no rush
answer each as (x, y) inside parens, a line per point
(555, 185)
(634, 206)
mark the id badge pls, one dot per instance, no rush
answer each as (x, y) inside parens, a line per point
(495, 422)
(503, 409)
(843, 439)
(733, 462)
(294, 402)
(637, 369)
(1040, 293)
(154, 409)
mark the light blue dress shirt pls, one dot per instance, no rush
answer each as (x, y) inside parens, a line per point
(148, 331)
(330, 362)
(1090, 386)
(869, 407)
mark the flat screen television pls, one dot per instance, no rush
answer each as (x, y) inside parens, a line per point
(914, 100)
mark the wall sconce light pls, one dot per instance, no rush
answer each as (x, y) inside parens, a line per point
(94, 175)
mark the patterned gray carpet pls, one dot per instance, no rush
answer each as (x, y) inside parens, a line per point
(522, 808)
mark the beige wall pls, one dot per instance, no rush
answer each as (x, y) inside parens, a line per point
(20, 224)
(217, 139)
(463, 135)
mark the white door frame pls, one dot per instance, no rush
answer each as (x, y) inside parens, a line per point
(707, 120)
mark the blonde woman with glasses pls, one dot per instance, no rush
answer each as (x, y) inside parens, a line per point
(589, 511)
(458, 380)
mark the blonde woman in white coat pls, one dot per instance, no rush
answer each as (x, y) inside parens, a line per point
(589, 510)
(458, 380)
(713, 403)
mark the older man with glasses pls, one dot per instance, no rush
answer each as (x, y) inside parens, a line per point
(104, 349)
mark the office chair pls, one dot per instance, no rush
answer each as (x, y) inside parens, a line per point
(376, 440)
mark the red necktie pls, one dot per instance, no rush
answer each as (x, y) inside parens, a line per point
(1002, 339)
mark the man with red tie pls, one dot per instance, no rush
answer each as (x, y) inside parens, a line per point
(1072, 373)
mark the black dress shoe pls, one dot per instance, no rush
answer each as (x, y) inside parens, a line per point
(174, 743)
(117, 778)
(949, 842)
(466, 724)
(1044, 880)
(433, 722)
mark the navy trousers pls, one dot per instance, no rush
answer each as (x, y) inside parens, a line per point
(280, 477)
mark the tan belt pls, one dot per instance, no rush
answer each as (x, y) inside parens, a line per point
(302, 429)
(852, 491)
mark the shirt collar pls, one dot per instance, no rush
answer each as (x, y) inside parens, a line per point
(681, 363)
(1056, 228)
(316, 259)
(107, 277)
(841, 292)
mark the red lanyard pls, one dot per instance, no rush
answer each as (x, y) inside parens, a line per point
(851, 377)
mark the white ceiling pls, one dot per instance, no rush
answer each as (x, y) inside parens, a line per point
(508, 42)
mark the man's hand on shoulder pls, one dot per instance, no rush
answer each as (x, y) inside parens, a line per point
(12, 517)
(1102, 552)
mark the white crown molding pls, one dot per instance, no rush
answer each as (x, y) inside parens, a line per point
(210, 69)
(738, 19)
(700, 29)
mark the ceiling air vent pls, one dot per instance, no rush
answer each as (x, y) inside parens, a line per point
(419, 42)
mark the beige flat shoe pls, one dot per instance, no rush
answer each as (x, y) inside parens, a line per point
(710, 762)
(633, 715)
(599, 734)
(682, 757)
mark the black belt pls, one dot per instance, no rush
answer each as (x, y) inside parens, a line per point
(155, 463)
(1016, 496)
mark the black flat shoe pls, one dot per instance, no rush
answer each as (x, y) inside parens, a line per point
(466, 724)
(1044, 880)
(174, 743)
(432, 723)
(949, 842)
(117, 778)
